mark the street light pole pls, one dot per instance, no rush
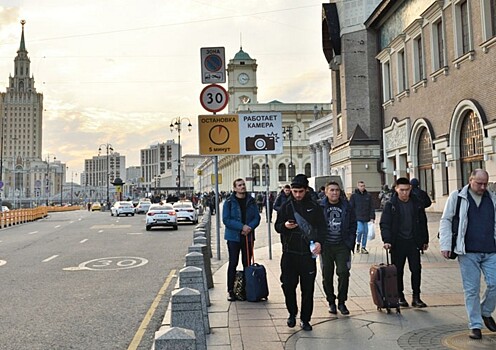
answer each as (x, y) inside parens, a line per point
(47, 179)
(176, 125)
(288, 133)
(109, 148)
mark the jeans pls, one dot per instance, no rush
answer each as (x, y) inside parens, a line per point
(362, 233)
(471, 266)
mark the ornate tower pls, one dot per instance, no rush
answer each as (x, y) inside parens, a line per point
(242, 80)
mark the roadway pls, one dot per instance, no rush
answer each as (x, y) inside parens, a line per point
(86, 280)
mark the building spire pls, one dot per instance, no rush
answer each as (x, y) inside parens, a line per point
(22, 47)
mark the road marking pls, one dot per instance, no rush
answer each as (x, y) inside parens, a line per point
(2, 262)
(96, 227)
(32, 233)
(50, 258)
(135, 233)
(109, 264)
(144, 324)
(57, 226)
(84, 240)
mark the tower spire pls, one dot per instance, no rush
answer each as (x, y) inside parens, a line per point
(22, 47)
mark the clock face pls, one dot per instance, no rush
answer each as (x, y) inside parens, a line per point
(243, 78)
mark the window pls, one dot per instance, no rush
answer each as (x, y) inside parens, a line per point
(255, 173)
(471, 145)
(282, 172)
(339, 124)
(493, 17)
(402, 80)
(462, 28)
(488, 19)
(418, 59)
(386, 81)
(308, 170)
(425, 161)
(438, 45)
(291, 170)
(265, 180)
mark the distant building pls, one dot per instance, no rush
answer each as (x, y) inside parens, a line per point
(99, 173)
(157, 161)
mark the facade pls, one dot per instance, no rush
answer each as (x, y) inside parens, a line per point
(160, 160)
(28, 179)
(296, 119)
(436, 64)
(99, 173)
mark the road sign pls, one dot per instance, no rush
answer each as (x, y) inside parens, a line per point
(213, 67)
(247, 134)
(214, 98)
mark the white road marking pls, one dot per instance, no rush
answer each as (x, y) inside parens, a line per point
(135, 233)
(32, 233)
(50, 258)
(2, 262)
(84, 240)
(100, 231)
(57, 226)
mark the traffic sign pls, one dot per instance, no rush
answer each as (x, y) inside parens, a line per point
(214, 98)
(213, 68)
(218, 134)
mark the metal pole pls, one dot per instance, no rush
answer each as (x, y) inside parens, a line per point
(179, 159)
(108, 178)
(267, 205)
(217, 216)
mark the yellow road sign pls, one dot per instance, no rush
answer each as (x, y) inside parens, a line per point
(218, 134)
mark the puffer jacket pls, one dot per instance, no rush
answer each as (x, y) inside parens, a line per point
(231, 217)
(294, 241)
(447, 217)
(364, 207)
(391, 222)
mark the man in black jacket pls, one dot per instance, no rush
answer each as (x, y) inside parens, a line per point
(361, 201)
(404, 231)
(297, 263)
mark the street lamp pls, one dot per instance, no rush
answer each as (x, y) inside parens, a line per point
(287, 133)
(72, 185)
(109, 149)
(47, 178)
(176, 125)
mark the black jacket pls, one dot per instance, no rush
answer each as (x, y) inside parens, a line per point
(391, 221)
(280, 200)
(348, 220)
(294, 241)
(364, 207)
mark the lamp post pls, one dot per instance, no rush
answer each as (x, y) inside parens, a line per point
(287, 133)
(47, 178)
(109, 149)
(176, 125)
(72, 184)
(62, 183)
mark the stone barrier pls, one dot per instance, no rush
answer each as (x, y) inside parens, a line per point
(191, 277)
(196, 259)
(202, 249)
(174, 338)
(186, 312)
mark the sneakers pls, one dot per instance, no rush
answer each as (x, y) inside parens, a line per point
(343, 309)
(475, 334)
(231, 296)
(403, 302)
(363, 251)
(416, 302)
(291, 322)
(332, 309)
(306, 326)
(358, 248)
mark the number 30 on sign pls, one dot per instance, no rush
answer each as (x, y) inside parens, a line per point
(214, 98)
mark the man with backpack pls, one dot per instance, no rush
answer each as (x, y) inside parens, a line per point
(475, 246)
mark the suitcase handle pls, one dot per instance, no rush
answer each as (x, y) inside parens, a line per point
(387, 255)
(250, 257)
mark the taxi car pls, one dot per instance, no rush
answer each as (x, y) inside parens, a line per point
(96, 206)
(185, 211)
(162, 214)
(122, 208)
(143, 206)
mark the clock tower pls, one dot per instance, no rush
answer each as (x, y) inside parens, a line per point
(242, 80)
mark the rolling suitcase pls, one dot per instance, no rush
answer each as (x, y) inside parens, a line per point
(384, 286)
(255, 280)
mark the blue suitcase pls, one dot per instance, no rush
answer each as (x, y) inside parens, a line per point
(256, 283)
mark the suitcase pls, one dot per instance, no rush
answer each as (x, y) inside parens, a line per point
(256, 283)
(256, 286)
(384, 286)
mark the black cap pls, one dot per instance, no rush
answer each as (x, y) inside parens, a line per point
(300, 181)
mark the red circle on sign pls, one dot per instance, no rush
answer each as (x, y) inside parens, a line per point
(214, 98)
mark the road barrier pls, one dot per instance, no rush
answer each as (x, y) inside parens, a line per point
(21, 216)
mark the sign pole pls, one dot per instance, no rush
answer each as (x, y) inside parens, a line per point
(217, 215)
(267, 204)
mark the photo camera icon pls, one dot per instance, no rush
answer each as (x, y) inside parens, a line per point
(260, 143)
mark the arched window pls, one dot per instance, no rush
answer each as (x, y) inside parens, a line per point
(426, 174)
(265, 182)
(291, 170)
(255, 173)
(308, 170)
(471, 149)
(282, 172)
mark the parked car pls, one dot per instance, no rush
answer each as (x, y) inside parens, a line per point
(185, 211)
(122, 208)
(5, 208)
(161, 215)
(96, 206)
(143, 206)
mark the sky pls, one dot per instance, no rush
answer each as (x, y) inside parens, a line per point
(118, 72)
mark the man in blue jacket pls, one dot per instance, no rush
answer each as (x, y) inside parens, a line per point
(240, 216)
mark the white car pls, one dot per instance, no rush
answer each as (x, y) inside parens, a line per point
(122, 208)
(143, 207)
(185, 211)
(161, 215)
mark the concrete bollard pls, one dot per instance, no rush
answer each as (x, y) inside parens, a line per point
(196, 259)
(191, 277)
(174, 338)
(200, 240)
(202, 232)
(186, 312)
(202, 248)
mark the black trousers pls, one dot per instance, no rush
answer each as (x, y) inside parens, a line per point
(298, 269)
(400, 252)
(336, 256)
(233, 249)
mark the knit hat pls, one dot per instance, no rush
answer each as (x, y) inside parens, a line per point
(299, 181)
(414, 182)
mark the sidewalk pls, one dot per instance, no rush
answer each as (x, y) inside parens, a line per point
(262, 325)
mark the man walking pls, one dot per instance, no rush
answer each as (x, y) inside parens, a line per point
(338, 245)
(299, 221)
(404, 231)
(282, 197)
(361, 201)
(240, 217)
(475, 246)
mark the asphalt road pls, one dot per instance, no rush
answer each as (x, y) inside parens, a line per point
(86, 280)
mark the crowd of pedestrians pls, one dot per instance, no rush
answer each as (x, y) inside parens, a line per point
(328, 224)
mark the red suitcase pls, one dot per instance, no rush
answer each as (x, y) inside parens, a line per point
(384, 286)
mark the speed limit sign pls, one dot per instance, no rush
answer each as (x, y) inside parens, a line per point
(214, 98)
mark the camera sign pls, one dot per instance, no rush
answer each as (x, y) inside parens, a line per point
(260, 133)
